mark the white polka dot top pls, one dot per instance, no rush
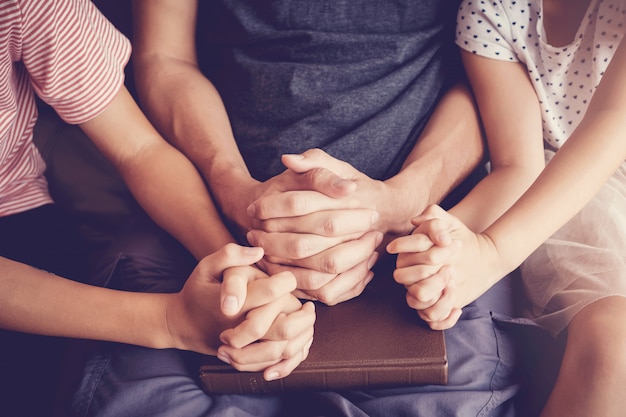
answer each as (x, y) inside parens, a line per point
(564, 78)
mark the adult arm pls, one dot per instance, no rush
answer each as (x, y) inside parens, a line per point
(448, 149)
(185, 107)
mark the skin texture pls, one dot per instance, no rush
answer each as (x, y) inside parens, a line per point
(188, 320)
(320, 219)
(452, 257)
(257, 307)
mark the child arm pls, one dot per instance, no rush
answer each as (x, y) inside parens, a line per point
(35, 301)
(589, 157)
(511, 117)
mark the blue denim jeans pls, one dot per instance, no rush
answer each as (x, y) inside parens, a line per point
(124, 380)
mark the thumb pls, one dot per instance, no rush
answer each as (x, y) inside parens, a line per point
(234, 285)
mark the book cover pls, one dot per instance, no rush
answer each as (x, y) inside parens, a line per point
(372, 341)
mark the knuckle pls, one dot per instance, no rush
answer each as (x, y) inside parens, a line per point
(311, 280)
(324, 297)
(301, 248)
(313, 153)
(431, 257)
(260, 209)
(230, 250)
(275, 351)
(269, 225)
(296, 204)
(329, 227)
(317, 280)
(429, 315)
(269, 292)
(421, 293)
(284, 333)
(330, 265)
(431, 210)
(412, 302)
(256, 332)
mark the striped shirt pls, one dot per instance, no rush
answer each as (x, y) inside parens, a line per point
(67, 53)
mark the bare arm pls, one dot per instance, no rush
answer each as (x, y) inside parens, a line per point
(183, 104)
(511, 116)
(34, 301)
(512, 122)
(588, 158)
(164, 182)
(450, 147)
(187, 109)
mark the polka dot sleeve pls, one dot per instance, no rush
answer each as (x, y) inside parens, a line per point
(483, 28)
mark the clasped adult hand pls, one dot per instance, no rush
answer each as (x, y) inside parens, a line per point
(251, 320)
(321, 225)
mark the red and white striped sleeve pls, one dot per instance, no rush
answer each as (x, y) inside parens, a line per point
(74, 56)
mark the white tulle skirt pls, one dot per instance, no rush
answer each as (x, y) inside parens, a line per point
(583, 262)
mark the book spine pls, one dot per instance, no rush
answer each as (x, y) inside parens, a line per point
(335, 380)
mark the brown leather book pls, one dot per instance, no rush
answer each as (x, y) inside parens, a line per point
(372, 341)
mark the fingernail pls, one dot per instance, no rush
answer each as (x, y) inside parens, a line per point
(272, 376)
(224, 357)
(251, 210)
(379, 239)
(230, 304)
(375, 217)
(295, 155)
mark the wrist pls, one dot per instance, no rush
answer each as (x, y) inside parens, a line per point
(233, 192)
(181, 328)
(164, 333)
(492, 259)
(400, 203)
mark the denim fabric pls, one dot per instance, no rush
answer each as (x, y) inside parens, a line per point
(124, 380)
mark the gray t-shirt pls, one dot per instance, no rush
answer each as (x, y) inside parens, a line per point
(357, 78)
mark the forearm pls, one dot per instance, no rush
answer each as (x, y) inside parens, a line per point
(495, 194)
(450, 147)
(189, 112)
(168, 187)
(38, 302)
(588, 159)
(163, 181)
